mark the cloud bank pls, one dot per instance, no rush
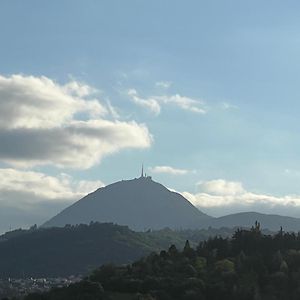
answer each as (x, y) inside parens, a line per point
(22, 188)
(43, 122)
(220, 197)
(28, 197)
(35, 196)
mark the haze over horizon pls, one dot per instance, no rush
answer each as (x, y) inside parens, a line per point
(204, 94)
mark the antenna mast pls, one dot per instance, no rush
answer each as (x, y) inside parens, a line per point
(142, 175)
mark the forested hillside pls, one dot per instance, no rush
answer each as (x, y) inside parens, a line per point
(79, 249)
(248, 266)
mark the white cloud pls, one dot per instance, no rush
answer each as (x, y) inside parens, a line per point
(221, 193)
(163, 84)
(39, 102)
(184, 103)
(148, 103)
(168, 170)
(221, 187)
(43, 122)
(33, 187)
(154, 103)
(81, 144)
(28, 197)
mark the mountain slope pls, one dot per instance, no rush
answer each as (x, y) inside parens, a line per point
(139, 203)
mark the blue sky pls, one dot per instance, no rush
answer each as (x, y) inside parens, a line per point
(237, 61)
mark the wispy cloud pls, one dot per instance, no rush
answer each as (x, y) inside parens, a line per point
(228, 106)
(113, 110)
(292, 172)
(185, 103)
(149, 103)
(163, 84)
(168, 170)
(154, 103)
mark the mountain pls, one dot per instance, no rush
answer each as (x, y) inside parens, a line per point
(143, 204)
(247, 219)
(140, 204)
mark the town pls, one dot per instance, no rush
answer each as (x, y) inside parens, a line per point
(20, 287)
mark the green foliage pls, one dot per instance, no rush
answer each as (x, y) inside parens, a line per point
(200, 264)
(250, 265)
(224, 266)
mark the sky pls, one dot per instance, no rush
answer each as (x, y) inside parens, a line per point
(205, 94)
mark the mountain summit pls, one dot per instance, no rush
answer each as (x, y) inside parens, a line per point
(139, 203)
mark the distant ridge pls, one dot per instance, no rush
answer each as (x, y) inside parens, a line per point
(139, 203)
(247, 219)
